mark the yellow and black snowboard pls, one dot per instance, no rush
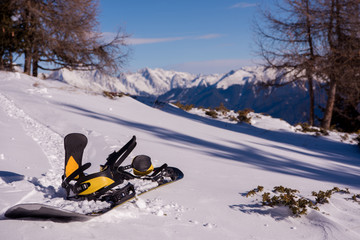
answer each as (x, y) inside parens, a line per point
(39, 211)
(101, 186)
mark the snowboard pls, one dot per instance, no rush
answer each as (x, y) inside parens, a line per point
(39, 211)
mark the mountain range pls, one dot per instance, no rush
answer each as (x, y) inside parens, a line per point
(236, 90)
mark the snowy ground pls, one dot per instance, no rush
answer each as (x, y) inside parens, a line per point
(221, 161)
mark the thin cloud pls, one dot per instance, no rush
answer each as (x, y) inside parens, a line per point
(243, 5)
(141, 41)
(209, 36)
(108, 36)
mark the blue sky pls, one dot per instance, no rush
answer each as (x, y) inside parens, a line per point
(197, 36)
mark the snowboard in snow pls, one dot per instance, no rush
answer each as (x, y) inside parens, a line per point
(39, 211)
(42, 211)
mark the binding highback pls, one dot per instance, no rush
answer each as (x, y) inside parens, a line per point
(74, 144)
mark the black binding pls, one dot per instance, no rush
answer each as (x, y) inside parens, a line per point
(114, 171)
(108, 170)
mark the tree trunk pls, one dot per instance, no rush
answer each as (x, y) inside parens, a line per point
(312, 101)
(35, 65)
(329, 105)
(11, 62)
(27, 63)
(309, 70)
(29, 41)
(2, 64)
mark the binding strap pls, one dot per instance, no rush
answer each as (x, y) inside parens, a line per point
(157, 173)
(92, 183)
(115, 159)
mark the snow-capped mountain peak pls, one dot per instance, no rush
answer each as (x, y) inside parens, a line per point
(157, 81)
(237, 89)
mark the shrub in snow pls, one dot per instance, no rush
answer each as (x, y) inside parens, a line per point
(305, 127)
(222, 109)
(355, 197)
(212, 113)
(282, 196)
(254, 191)
(184, 107)
(243, 115)
(113, 95)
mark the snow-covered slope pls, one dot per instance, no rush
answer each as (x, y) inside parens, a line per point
(221, 161)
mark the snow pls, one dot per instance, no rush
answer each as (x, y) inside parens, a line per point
(221, 161)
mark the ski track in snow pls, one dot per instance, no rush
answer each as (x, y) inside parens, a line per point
(49, 141)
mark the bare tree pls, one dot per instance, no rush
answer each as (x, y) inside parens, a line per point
(63, 33)
(286, 43)
(316, 39)
(74, 40)
(8, 34)
(30, 12)
(341, 65)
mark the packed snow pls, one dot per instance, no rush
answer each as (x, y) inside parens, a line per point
(222, 161)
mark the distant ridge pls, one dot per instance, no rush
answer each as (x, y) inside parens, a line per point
(237, 89)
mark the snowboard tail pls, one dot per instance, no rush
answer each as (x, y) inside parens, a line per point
(45, 212)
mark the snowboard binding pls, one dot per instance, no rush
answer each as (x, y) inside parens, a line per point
(107, 185)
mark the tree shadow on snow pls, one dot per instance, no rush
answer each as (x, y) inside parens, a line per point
(343, 167)
(278, 213)
(9, 177)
